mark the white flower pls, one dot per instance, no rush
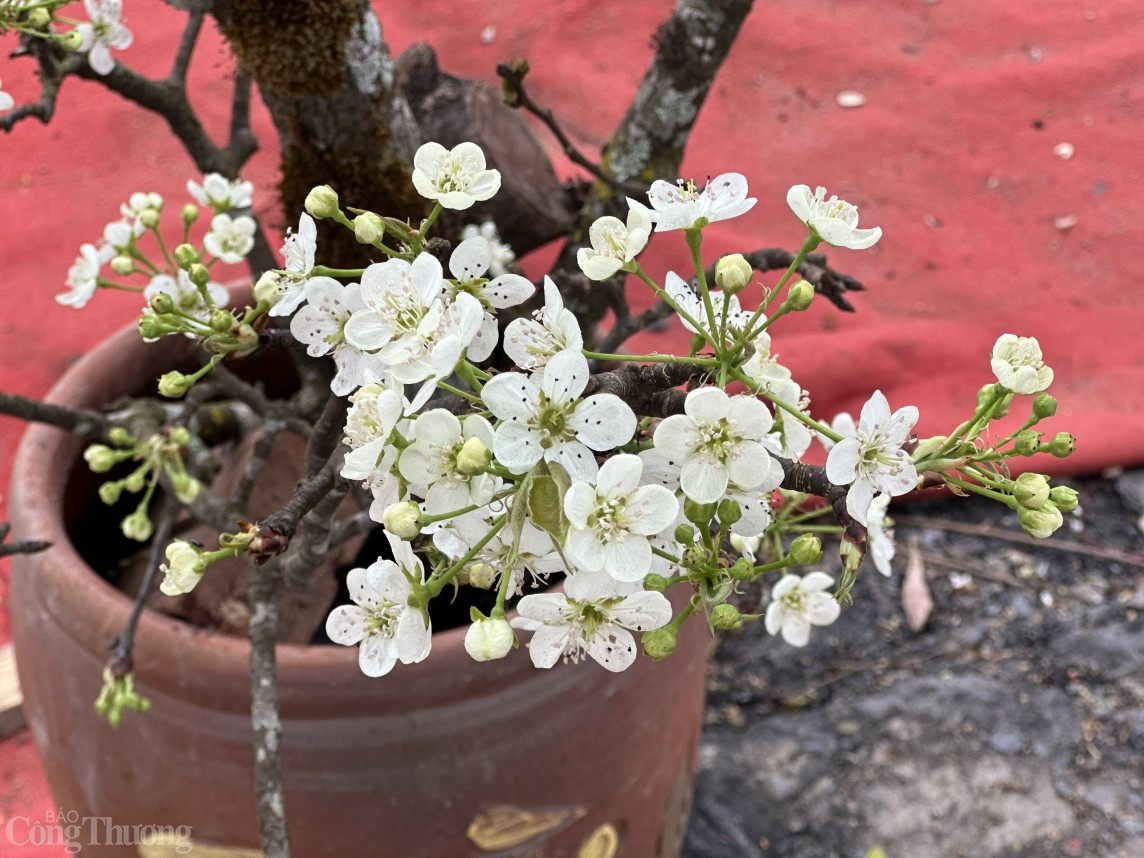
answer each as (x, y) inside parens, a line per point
(614, 243)
(397, 297)
(692, 304)
(468, 264)
(873, 459)
(6, 101)
(488, 639)
(136, 205)
(230, 239)
(550, 421)
(880, 534)
(183, 570)
(83, 276)
(717, 441)
(382, 621)
(103, 33)
(799, 603)
(120, 234)
(532, 342)
(431, 460)
(375, 413)
(298, 251)
(612, 520)
(503, 257)
(319, 324)
(590, 616)
(835, 221)
(220, 193)
(679, 206)
(456, 178)
(1018, 364)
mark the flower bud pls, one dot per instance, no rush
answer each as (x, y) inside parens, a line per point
(1044, 406)
(133, 482)
(1064, 498)
(100, 458)
(186, 256)
(726, 617)
(322, 202)
(149, 218)
(162, 303)
(473, 458)
(173, 384)
(368, 228)
(684, 534)
(806, 550)
(489, 639)
(199, 274)
(137, 526)
(699, 514)
(729, 511)
(189, 214)
(266, 289)
(1040, 523)
(402, 519)
(1062, 445)
(1027, 442)
(221, 321)
(656, 583)
(482, 575)
(1031, 490)
(120, 437)
(180, 436)
(929, 447)
(186, 487)
(72, 40)
(733, 273)
(39, 18)
(123, 265)
(658, 644)
(184, 568)
(742, 570)
(747, 546)
(109, 492)
(800, 295)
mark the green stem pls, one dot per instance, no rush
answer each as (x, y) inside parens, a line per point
(667, 299)
(652, 358)
(437, 583)
(812, 241)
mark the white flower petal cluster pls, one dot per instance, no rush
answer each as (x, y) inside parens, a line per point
(691, 304)
(872, 459)
(880, 534)
(136, 204)
(320, 324)
(532, 342)
(1019, 366)
(610, 522)
(230, 239)
(220, 193)
(102, 33)
(6, 101)
(468, 264)
(680, 205)
(833, 220)
(456, 178)
(798, 603)
(503, 256)
(183, 570)
(375, 412)
(614, 243)
(298, 252)
(83, 276)
(432, 460)
(591, 616)
(548, 419)
(717, 441)
(381, 619)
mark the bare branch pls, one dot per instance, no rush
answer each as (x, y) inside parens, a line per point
(81, 421)
(178, 75)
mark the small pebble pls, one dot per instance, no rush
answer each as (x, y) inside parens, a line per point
(1065, 222)
(488, 34)
(850, 98)
(1064, 151)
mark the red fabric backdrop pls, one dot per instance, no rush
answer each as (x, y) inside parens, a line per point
(952, 155)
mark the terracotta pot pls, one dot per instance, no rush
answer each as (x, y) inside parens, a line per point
(399, 766)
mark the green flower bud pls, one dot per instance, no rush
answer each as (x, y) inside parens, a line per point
(133, 482)
(742, 570)
(1064, 498)
(122, 265)
(402, 519)
(929, 447)
(109, 492)
(137, 526)
(180, 436)
(729, 511)
(368, 228)
(120, 437)
(473, 458)
(199, 274)
(189, 214)
(100, 458)
(1062, 445)
(489, 639)
(39, 19)
(221, 321)
(1040, 523)
(482, 575)
(162, 303)
(656, 583)
(173, 384)
(806, 550)
(733, 273)
(1044, 406)
(186, 256)
(1031, 490)
(699, 514)
(149, 218)
(72, 40)
(266, 289)
(1027, 442)
(322, 202)
(800, 295)
(186, 487)
(245, 340)
(726, 617)
(658, 644)
(684, 534)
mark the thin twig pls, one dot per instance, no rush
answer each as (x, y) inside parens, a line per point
(81, 421)
(178, 74)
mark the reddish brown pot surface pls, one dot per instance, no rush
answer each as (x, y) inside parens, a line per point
(400, 766)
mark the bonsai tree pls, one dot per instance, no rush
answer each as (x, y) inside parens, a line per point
(492, 426)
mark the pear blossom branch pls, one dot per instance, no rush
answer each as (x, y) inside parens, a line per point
(178, 75)
(327, 433)
(276, 531)
(309, 553)
(812, 480)
(26, 546)
(81, 421)
(650, 390)
(51, 76)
